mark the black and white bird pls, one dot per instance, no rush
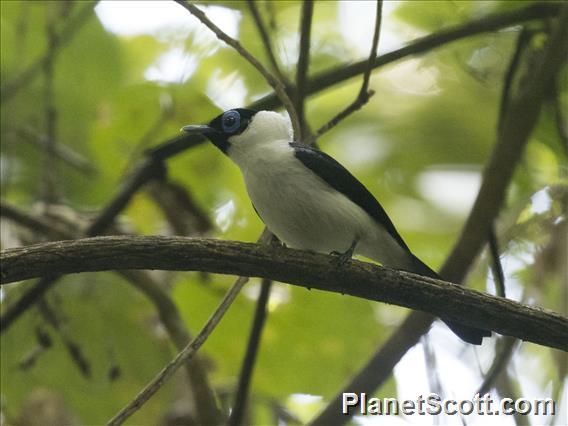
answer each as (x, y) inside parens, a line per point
(309, 200)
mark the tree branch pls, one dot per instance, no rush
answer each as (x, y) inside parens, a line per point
(522, 114)
(150, 169)
(310, 270)
(363, 93)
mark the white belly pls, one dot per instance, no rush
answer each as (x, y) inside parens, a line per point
(305, 213)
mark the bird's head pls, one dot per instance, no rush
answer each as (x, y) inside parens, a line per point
(240, 130)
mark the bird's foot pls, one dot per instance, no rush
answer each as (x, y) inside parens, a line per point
(340, 259)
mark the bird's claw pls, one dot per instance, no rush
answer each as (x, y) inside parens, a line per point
(340, 259)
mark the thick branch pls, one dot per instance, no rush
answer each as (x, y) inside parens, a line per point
(296, 267)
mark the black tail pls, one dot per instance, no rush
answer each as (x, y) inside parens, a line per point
(465, 332)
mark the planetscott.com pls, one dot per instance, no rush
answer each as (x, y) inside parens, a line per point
(432, 404)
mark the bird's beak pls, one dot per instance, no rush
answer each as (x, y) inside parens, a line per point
(197, 129)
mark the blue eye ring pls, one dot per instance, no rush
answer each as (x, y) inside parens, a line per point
(231, 121)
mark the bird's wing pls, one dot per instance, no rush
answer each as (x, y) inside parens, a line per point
(339, 178)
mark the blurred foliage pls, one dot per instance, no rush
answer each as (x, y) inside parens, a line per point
(433, 113)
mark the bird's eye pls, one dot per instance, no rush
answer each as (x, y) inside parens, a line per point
(231, 121)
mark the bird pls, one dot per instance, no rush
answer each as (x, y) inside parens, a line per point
(308, 200)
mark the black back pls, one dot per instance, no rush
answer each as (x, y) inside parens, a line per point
(340, 179)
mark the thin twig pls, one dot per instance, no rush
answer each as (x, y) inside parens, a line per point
(276, 84)
(266, 41)
(73, 348)
(364, 93)
(303, 64)
(434, 383)
(187, 353)
(202, 394)
(239, 408)
(28, 299)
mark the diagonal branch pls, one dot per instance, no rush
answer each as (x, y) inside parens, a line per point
(371, 61)
(276, 84)
(364, 93)
(187, 353)
(266, 40)
(310, 270)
